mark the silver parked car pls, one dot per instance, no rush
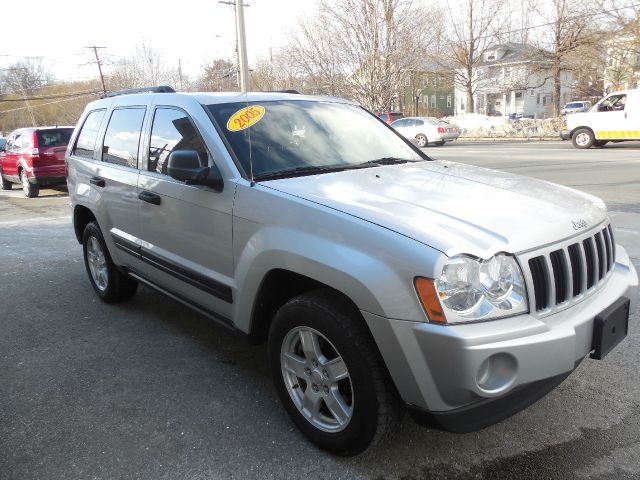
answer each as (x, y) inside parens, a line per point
(576, 107)
(380, 280)
(426, 130)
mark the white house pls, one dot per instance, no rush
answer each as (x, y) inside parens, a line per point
(622, 70)
(514, 79)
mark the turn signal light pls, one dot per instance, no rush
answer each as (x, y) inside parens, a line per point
(429, 298)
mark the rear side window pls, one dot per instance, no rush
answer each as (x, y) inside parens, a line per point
(54, 138)
(173, 131)
(86, 143)
(123, 137)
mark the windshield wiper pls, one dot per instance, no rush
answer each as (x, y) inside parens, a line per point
(306, 170)
(387, 161)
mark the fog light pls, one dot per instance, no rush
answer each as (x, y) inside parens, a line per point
(497, 373)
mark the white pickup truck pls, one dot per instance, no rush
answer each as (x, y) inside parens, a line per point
(615, 118)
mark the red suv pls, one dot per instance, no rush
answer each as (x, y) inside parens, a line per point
(390, 117)
(34, 157)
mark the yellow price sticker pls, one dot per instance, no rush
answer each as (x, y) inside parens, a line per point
(245, 117)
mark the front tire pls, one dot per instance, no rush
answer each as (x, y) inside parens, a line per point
(421, 140)
(108, 282)
(583, 138)
(329, 374)
(31, 190)
(5, 184)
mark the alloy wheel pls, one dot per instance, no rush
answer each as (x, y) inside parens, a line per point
(317, 379)
(97, 264)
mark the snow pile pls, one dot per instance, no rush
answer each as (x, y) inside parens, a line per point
(482, 126)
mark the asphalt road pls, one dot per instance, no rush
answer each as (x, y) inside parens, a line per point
(150, 390)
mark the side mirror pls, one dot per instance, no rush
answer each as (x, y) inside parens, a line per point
(184, 165)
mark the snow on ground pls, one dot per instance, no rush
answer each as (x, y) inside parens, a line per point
(478, 125)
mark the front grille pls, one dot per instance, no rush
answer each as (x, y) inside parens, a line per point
(563, 274)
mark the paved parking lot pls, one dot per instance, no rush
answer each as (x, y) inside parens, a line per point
(150, 390)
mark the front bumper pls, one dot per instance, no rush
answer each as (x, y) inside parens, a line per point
(443, 369)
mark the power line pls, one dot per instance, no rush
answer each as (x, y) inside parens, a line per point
(50, 103)
(49, 97)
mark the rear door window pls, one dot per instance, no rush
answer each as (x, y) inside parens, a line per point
(122, 139)
(54, 138)
(86, 143)
(173, 131)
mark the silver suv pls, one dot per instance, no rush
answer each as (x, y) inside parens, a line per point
(576, 107)
(381, 280)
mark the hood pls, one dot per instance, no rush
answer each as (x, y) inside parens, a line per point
(454, 208)
(578, 119)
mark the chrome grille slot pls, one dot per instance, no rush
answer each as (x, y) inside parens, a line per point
(607, 247)
(591, 262)
(577, 268)
(602, 261)
(539, 273)
(560, 275)
(613, 245)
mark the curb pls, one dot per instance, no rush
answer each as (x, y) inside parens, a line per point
(509, 139)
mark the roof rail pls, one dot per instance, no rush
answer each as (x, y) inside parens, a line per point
(129, 91)
(285, 91)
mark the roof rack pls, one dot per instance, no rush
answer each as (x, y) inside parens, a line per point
(129, 91)
(285, 91)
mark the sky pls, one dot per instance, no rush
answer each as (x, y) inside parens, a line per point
(189, 30)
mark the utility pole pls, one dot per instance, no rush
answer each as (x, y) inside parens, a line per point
(242, 47)
(180, 73)
(99, 62)
(241, 42)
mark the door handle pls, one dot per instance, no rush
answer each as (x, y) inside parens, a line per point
(150, 197)
(97, 181)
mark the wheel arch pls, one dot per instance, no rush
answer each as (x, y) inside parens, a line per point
(573, 131)
(277, 287)
(82, 216)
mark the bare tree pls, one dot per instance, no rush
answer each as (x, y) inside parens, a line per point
(623, 44)
(362, 49)
(278, 72)
(26, 75)
(316, 57)
(474, 27)
(567, 26)
(219, 75)
(144, 67)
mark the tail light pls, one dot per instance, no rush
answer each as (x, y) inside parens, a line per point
(35, 153)
(441, 130)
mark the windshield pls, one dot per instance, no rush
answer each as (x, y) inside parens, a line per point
(285, 135)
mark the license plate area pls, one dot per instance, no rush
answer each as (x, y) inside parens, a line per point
(610, 327)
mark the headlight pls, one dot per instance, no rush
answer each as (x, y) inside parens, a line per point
(471, 289)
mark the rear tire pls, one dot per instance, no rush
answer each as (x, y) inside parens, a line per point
(329, 374)
(31, 190)
(108, 282)
(421, 140)
(583, 138)
(6, 184)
